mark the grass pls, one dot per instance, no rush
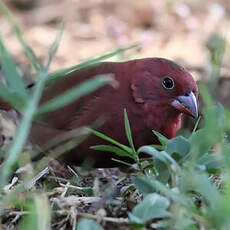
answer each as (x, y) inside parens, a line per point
(174, 183)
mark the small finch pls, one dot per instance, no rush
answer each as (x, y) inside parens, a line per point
(154, 91)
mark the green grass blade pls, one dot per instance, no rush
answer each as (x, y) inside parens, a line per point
(128, 130)
(73, 94)
(12, 77)
(92, 61)
(162, 139)
(35, 219)
(196, 125)
(122, 162)
(28, 51)
(112, 149)
(61, 148)
(55, 45)
(104, 137)
(23, 130)
(24, 126)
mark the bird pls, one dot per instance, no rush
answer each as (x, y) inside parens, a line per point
(155, 92)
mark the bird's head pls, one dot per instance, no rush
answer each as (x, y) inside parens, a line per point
(161, 83)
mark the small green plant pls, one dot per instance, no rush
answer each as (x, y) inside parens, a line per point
(179, 174)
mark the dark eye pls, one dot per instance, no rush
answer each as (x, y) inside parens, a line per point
(168, 83)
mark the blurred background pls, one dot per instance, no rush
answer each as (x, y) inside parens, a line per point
(175, 29)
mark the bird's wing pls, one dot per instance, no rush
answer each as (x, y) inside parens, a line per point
(62, 117)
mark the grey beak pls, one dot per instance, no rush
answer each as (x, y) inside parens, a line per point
(186, 104)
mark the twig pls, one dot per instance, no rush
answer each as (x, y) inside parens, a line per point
(9, 186)
(95, 217)
(81, 214)
(38, 177)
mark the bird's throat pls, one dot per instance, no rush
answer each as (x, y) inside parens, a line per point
(167, 121)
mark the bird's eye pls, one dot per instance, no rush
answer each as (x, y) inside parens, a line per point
(168, 83)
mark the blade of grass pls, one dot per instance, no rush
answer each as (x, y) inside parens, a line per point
(92, 61)
(128, 131)
(62, 148)
(126, 148)
(73, 94)
(12, 77)
(112, 149)
(27, 49)
(196, 125)
(25, 124)
(60, 140)
(122, 162)
(163, 140)
(22, 131)
(35, 219)
(44, 217)
(55, 45)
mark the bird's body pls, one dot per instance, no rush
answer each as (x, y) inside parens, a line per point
(143, 89)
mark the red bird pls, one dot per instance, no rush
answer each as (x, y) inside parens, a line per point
(154, 91)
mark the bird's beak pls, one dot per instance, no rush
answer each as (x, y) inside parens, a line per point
(186, 104)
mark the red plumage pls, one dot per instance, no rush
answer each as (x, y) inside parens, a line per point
(154, 91)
